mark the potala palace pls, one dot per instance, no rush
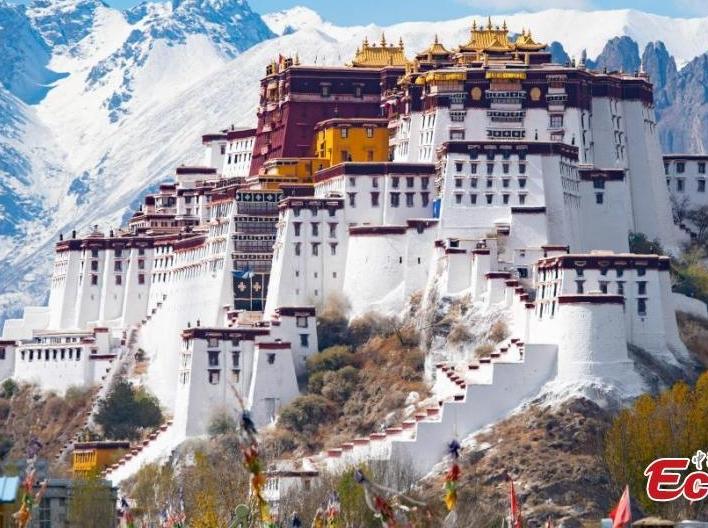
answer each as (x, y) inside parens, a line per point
(483, 172)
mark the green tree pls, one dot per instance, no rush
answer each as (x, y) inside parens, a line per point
(125, 411)
(639, 243)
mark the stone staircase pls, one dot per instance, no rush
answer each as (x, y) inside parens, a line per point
(159, 445)
(471, 397)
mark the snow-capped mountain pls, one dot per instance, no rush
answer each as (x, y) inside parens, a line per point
(100, 105)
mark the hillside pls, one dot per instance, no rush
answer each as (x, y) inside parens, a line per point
(28, 413)
(554, 457)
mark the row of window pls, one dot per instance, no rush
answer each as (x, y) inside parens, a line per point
(554, 273)
(394, 199)
(315, 228)
(118, 279)
(506, 183)
(489, 199)
(344, 132)
(641, 308)
(681, 184)
(681, 167)
(506, 167)
(395, 182)
(117, 265)
(117, 253)
(60, 354)
(315, 248)
(604, 287)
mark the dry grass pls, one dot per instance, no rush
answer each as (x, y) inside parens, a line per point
(483, 350)
(459, 334)
(498, 332)
(694, 333)
(50, 418)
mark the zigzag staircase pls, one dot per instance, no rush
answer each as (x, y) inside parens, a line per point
(471, 396)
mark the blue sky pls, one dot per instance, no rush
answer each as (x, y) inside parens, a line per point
(386, 12)
(390, 11)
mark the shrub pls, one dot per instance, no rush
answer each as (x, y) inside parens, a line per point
(339, 385)
(306, 413)
(484, 350)
(9, 388)
(76, 396)
(333, 358)
(315, 382)
(639, 243)
(694, 333)
(367, 326)
(332, 324)
(221, 423)
(458, 334)
(498, 332)
(125, 410)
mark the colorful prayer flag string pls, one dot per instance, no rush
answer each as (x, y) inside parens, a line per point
(24, 515)
(389, 510)
(253, 464)
(452, 476)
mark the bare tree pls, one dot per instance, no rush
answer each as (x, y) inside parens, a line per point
(679, 208)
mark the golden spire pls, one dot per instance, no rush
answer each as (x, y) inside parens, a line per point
(400, 42)
(504, 25)
(489, 22)
(366, 42)
(435, 41)
(297, 59)
(383, 40)
(474, 25)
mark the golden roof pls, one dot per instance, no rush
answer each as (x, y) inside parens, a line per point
(435, 50)
(525, 42)
(496, 39)
(379, 56)
(488, 38)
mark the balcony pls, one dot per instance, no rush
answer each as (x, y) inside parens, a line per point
(505, 96)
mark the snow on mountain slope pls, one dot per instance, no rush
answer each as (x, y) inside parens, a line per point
(32, 182)
(112, 66)
(685, 38)
(23, 55)
(291, 20)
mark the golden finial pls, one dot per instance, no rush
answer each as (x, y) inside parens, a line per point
(474, 25)
(489, 22)
(383, 40)
(366, 42)
(297, 59)
(400, 42)
(435, 41)
(504, 25)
